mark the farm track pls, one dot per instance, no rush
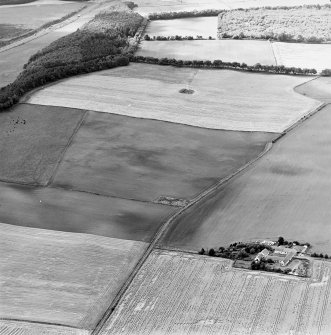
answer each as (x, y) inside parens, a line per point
(155, 243)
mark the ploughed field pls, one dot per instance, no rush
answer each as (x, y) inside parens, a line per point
(60, 278)
(222, 99)
(285, 193)
(177, 293)
(202, 26)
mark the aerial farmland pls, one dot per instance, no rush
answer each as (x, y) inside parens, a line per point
(149, 162)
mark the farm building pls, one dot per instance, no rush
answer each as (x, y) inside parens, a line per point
(288, 258)
(261, 255)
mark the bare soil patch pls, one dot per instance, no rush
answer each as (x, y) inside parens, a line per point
(177, 293)
(61, 278)
(32, 140)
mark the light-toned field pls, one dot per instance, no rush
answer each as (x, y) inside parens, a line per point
(222, 99)
(300, 23)
(34, 15)
(151, 6)
(80, 212)
(8, 327)
(62, 278)
(15, 55)
(32, 140)
(286, 193)
(316, 56)
(203, 26)
(146, 159)
(176, 293)
(242, 51)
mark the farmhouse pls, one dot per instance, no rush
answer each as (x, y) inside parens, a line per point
(261, 255)
(288, 258)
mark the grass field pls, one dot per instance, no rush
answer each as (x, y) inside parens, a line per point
(203, 26)
(80, 212)
(9, 31)
(300, 23)
(26, 328)
(249, 52)
(302, 55)
(150, 6)
(33, 16)
(222, 99)
(144, 159)
(32, 139)
(13, 59)
(319, 89)
(286, 193)
(61, 278)
(176, 293)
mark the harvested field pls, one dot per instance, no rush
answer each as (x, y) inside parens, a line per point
(33, 139)
(222, 100)
(286, 193)
(319, 89)
(202, 295)
(302, 55)
(80, 212)
(249, 52)
(144, 159)
(299, 24)
(62, 278)
(150, 6)
(203, 26)
(26, 328)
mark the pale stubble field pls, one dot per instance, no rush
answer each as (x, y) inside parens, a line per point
(222, 99)
(177, 293)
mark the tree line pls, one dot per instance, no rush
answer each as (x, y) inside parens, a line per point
(81, 52)
(219, 64)
(176, 38)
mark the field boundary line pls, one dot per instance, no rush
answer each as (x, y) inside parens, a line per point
(166, 226)
(61, 156)
(324, 307)
(273, 52)
(42, 323)
(52, 186)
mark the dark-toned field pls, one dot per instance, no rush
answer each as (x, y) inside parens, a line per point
(145, 159)
(287, 193)
(32, 140)
(319, 88)
(80, 212)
